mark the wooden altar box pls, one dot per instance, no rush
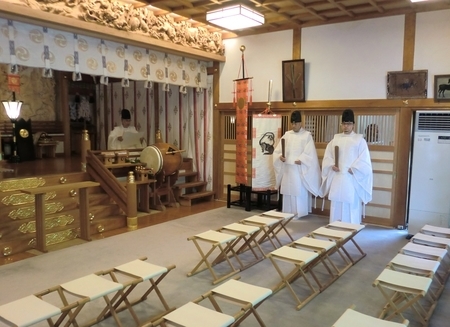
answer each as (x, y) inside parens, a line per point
(108, 158)
(121, 157)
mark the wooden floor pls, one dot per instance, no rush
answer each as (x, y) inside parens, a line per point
(60, 165)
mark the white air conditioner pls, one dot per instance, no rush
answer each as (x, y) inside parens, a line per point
(429, 194)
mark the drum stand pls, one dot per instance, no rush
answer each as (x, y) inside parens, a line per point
(163, 195)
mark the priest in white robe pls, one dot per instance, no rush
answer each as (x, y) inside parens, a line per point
(116, 136)
(347, 175)
(297, 172)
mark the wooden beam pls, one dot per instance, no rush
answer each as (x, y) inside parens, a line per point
(409, 41)
(297, 43)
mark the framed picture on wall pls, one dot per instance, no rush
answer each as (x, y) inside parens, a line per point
(407, 84)
(442, 88)
(293, 80)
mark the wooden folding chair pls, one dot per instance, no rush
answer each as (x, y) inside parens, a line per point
(192, 315)
(436, 231)
(352, 318)
(430, 253)
(340, 237)
(420, 267)
(303, 262)
(246, 240)
(268, 227)
(324, 249)
(88, 289)
(219, 242)
(425, 239)
(285, 218)
(354, 229)
(132, 274)
(246, 296)
(405, 291)
(31, 310)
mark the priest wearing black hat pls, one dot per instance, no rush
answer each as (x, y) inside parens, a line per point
(297, 170)
(347, 175)
(122, 137)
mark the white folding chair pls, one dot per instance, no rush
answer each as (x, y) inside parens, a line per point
(193, 315)
(340, 237)
(404, 291)
(285, 218)
(324, 249)
(246, 241)
(268, 227)
(90, 288)
(436, 231)
(31, 310)
(354, 229)
(245, 296)
(303, 262)
(133, 273)
(421, 267)
(218, 242)
(352, 318)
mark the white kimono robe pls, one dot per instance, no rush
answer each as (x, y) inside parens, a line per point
(297, 182)
(114, 143)
(347, 192)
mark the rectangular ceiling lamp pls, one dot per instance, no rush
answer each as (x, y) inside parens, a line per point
(235, 17)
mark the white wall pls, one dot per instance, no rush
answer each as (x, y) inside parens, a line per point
(351, 60)
(432, 47)
(263, 56)
(343, 61)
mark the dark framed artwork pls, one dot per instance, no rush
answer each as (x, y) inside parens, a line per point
(293, 80)
(442, 88)
(407, 85)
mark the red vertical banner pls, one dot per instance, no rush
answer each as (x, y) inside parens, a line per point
(14, 83)
(242, 98)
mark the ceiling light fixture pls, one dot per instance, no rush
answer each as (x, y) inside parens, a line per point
(235, 17)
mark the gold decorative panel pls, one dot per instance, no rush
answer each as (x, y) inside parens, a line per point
(22, 198)
(60, 237)
(19, 184)
(50, 223)
(29, 212)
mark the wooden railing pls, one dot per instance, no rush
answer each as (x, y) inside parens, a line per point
(109, 183)
(39, 199)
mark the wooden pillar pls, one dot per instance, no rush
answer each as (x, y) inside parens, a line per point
(409, 41)
(62, 90)
(131, 203)
(297, 44)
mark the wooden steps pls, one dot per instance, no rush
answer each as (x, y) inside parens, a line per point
(188, 188)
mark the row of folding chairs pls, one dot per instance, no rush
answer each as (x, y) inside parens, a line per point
(325, 247)
(63, 305)
(415, 278)
(229, 304)
(233, 240)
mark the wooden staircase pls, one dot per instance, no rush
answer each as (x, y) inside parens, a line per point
(188, 188)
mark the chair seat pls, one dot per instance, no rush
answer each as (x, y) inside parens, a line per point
(289, 253)
(277, 214)
(314, 243)
(431, 240)
(240, 228)
(335, 234)
(435, 230)
(424, 251)
(217, 237)
(344, 225)
(142, 269)
(415, 264)
(403, 282)
(194, 315)
(91, 286)
(352, 318)
(241, 291)
(28, 311)
(262, 220)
